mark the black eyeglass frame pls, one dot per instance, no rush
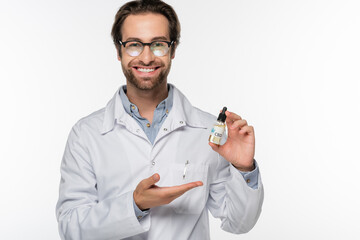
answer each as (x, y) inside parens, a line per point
(147, 44)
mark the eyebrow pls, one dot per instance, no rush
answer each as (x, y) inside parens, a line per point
(153, 39)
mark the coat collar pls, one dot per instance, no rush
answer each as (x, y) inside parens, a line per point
(182, 110)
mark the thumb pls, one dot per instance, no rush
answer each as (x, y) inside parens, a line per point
(214, 147)
(148, 182)
(217, 148)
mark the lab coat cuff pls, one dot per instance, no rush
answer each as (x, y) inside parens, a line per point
(138, 212)
(144, 224)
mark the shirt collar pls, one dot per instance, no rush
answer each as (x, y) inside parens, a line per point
(182, 110)
(131, 108)
(125, 100)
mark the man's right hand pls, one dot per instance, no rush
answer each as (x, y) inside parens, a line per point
(148, 195)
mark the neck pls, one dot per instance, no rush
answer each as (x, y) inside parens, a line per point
(147, 100)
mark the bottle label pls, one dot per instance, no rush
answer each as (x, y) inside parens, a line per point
(216, 134)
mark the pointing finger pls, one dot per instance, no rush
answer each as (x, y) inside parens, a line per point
(232, 116)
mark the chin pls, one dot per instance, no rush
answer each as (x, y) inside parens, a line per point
(146, 83)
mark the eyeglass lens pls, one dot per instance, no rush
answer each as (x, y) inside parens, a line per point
(158, 48)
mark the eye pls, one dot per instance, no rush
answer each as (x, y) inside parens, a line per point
(133, 44)
(158, 44)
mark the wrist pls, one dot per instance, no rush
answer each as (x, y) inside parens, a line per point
(141, 208)
(245, 168)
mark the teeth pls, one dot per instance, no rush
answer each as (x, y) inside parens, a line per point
(146, 69)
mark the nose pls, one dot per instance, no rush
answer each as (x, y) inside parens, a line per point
(147, 56)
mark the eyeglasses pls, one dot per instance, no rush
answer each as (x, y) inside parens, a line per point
(135, 48)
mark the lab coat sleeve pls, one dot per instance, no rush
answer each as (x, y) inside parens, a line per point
(79, 212)
(232, 200)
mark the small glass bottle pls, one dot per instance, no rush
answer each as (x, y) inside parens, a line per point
(218, 129)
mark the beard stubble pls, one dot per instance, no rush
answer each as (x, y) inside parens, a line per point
(138, 83)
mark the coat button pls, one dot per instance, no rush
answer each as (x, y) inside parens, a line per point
(153, 163)
(148, 125)
(181, 122)
(165, 129)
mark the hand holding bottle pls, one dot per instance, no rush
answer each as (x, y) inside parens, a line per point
(239, 148)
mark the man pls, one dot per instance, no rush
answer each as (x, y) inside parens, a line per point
(142, 167)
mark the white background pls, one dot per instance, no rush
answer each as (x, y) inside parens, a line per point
(291, 68)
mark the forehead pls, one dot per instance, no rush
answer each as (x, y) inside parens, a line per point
(145, 27)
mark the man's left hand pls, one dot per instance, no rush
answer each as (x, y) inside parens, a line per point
(239, 148)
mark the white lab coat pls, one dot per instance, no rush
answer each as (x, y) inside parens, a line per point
(108, 154)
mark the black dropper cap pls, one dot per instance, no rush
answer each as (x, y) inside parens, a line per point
(222, 116)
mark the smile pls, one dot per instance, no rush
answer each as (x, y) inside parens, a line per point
(146, 69)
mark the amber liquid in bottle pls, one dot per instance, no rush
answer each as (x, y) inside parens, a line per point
(218, 129)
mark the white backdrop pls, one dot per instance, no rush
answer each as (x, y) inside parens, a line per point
(291, 68)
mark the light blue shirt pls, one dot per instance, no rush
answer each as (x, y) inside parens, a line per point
(160, 113)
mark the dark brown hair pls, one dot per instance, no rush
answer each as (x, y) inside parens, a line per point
(146, 6)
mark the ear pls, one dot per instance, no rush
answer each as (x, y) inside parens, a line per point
(118, 54)
(174, 47)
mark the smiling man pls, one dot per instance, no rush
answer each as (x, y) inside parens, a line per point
(142, 167)
(149, 70)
